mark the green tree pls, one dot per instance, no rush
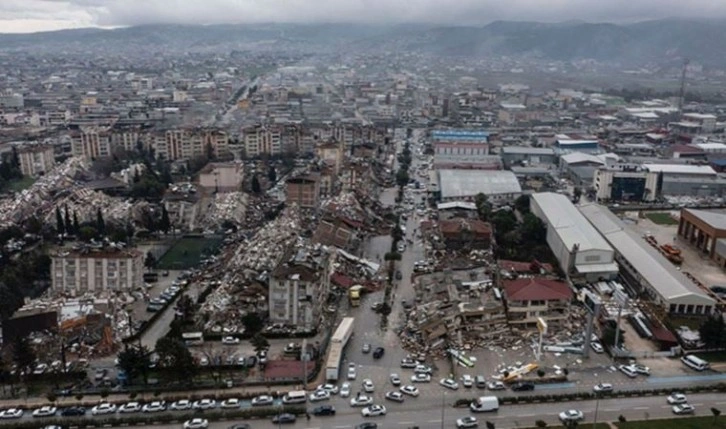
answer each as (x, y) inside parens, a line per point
(540, 424)
(175, 359)
(402, 177)
(60, 226)
(87, 232)
(272, 174)
(712, 331)
(256, 188)
(150, 260)
(76, 226)
(67, 220)
(576, 194)
(135, 362)
(392, 256)
(522, 204)
(253, 323)
(23, 355)
(533, 229)
(503, 222)
(259, 343)
(483, 206)
(100, 223)
(185, 308)
(165, 223)
(51, 397)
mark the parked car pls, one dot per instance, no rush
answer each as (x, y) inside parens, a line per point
(104, 408)
(196, 423)
(262, 400)
(408, 363)
(360, 401)
(11, 413)
(366, 348)
(410, 390)
(640, 369)
(449, 383)
(154, 407)
(46, 411)
(373, 411)
(319, 395)
(597, 347)
(367, 425)
(73, 412)
(677, 398)
(467, 380)
(130, 407)
(324, 410)
(628, 370)
(230, 341)
(420, 378)
(603, 387)
(352, 371)
(345, 390)
(378, 352)
(204, 404)
(394, 396)
(395, 380)
(368, 386)
(522, 386)
(181, 405)
(230, 403)
(423, 369)
(683, 409)
(571, 416)
(330, 388)
(496, 385)
(466, 422)
(284, 418)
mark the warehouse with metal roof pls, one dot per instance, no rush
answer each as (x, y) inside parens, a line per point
(644, 267)
(497, 185)
(578, 247)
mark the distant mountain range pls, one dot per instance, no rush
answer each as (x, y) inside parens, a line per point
(664, 42)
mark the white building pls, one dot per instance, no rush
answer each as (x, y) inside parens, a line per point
(75, 272)
(579, 248)
(463, 185)
(36, 160)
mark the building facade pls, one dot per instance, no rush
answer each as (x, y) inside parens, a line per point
(91, 270)
(625, 185)
(36, 160)
(531, 298)
(303, 191)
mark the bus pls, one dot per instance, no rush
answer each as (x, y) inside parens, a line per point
(193, 338)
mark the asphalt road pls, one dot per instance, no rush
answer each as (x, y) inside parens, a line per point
(426, 412)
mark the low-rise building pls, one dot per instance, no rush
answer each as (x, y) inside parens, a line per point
(528, 299)
(462, 233)
(464, 185)
(221, 177)
(303, 191)
(94, 270)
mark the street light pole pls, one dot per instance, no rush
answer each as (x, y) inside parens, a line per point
(597, 407)
(443, 408)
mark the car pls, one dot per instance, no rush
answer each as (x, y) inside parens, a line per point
(73, 412)
(408, 363)
(262, 357)
(373, 411)
(467, 380)
(196, 423)
(522, 386)
(204, 404)
(324, 410)
(399, 276)
(230, 341)
(449, 383)
(597, 347)
(130, 407)
(319, 395)
(395, 380)
(683, 409)
(367, 425)
(345, 390)
(366, 348)
(603, 387)
(40, 369)
(496, 385)
(628, 370)
(360, 400)
(154, 407)
(410, 390)
(466, 422)
(11, 413)
(100, 374)
(262, 400)
(677, 398)
(240, 426)
(284, 418)
(352, 371)
(394, 396)
(420, 378)
(251, 361)
(571, 416)
(331, 388)
(423, 369)
(641, 369)
(368, 386)
(378, 352)
(103, 408)
(181, 405)
(242, 361)
(230, 403)
(292, 348)
(46, 411)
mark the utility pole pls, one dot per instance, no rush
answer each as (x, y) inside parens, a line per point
(597, 407)
(443, 408)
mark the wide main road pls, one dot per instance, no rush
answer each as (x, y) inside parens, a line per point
(428, 412)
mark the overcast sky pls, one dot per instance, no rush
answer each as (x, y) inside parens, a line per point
(22, 16)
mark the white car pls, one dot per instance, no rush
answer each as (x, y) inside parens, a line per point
(40, 369)
(677, 398)
(683, 409)
(319, 395)
(104, 408)
(571, 416)
(345, 390)
(154, 407)
(230, 403)
(196, 423)
(640, 369)
(496, 385)
(331, 388)
(368, 386)
(360, 401)
(262, 400)
(394, 396)
(181, 405)
(603, 387)
(597, 347)
(410, 390)
(466, 422)
(352, 371)
(420, 378)
(628, 370)
(373, 411)
(423, 369)
(204, 404)
(230, 341)
(467, 380)
(395, 380)
(11, 413)
(46, 411)
(449, 383)
(130, 407)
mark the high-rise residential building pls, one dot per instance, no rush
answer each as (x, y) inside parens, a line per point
(94, 270)
(36, 160)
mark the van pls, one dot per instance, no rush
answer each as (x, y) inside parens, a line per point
(295, 397)
(480, 382)
(695, 362)
(484, 404)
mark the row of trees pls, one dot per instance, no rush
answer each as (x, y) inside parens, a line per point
(10, 167)
(713, 332)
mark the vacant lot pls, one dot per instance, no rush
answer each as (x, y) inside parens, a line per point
(677, 423)
(661, 218)
(188, 251)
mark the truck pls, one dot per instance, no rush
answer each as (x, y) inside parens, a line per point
(354, 295)
(337, 343)
(484, 404)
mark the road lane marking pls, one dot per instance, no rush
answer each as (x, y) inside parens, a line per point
(720, 403)
(406, 423)
(641, 408)
(434, 421)
(343, 427)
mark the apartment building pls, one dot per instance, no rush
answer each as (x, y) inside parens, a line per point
(91, 142)
(260, 140)
(303, 191)
(92, 270)
(299, 286)
(36, 160)
(528, 299)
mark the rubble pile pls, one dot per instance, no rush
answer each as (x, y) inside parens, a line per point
(262, 252)
(229, 206)
(86, 202)
(345, 205)
(39, 197)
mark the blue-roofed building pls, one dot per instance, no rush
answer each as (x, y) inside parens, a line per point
(460, 135)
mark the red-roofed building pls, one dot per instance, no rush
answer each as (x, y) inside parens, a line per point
(463, 233)
(530, 298)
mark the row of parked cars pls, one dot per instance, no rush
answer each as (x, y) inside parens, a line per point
(156, 304)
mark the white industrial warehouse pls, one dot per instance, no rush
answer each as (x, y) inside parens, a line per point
(578, 247)
(646, 267)
(497, 185)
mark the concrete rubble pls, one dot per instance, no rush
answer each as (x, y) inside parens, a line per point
(227, 207)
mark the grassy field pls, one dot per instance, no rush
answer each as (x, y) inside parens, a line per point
(19, 185)
(677, 423)
(187, 252)
(661, 218)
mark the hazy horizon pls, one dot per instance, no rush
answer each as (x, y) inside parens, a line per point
(30, 16)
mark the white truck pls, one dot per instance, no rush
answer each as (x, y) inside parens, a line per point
(337, 343)
(484, 404)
